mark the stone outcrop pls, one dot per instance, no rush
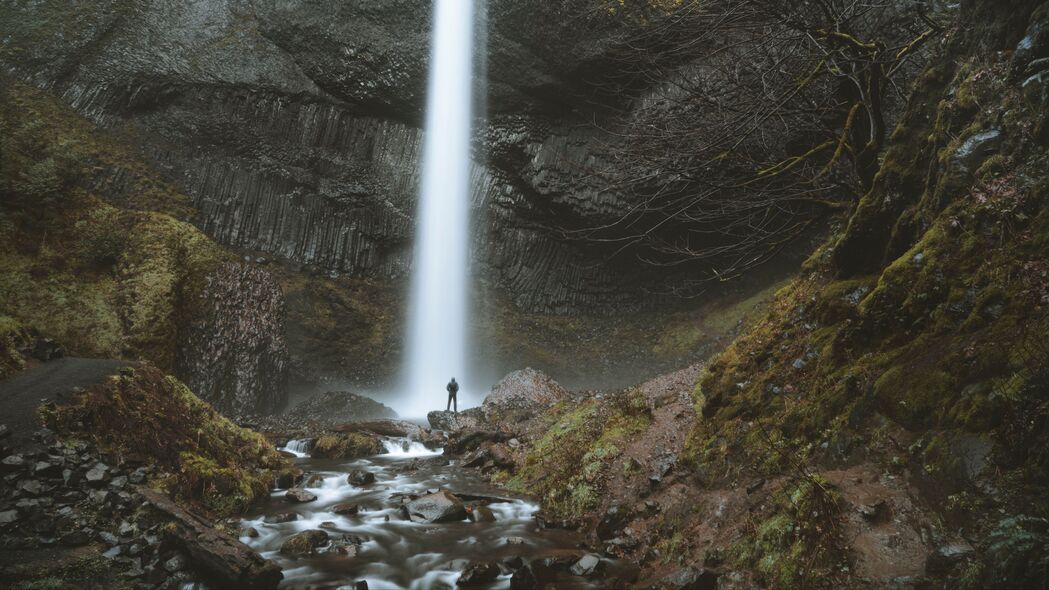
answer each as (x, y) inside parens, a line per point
(336, 407)
(234, 355)
(521, 395)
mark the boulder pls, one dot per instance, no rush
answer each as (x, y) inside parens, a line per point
(345, 509)
(533, 576)
(452, 421)
(347, 445)
(299, 495)
(521, 395)
(304, 543)
(434, 508)
(478, 574)
(360, 477)
(586, 566)
(281, 517)
(335, 407)
(689, 578)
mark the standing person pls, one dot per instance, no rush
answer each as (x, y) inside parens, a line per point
(453, 388)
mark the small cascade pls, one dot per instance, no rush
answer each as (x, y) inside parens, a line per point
(403, 447)
(299, 447)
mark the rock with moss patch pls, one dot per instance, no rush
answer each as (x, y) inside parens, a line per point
(304, 543)
(347, 445)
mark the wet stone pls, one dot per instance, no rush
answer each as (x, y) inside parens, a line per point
(478, 574)
(300, 495)
(281, 518)
(359, 477)
(586, 566)
(304, 543)
(345, 509)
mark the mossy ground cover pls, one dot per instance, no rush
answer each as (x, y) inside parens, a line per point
(567, 467)
(939, 340)
(101, 280)
(144, 415)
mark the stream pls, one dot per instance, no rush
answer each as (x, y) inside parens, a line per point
(391, 552)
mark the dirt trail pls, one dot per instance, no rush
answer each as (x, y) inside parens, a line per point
(23, 393)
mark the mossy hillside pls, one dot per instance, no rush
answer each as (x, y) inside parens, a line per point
(914, 337)
(33, 118)
(146, 416)
(102, 281)
(568, 466)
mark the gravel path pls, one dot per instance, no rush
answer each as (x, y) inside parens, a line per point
(23, 393)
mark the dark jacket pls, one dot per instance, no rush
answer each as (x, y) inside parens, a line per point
(453, 387)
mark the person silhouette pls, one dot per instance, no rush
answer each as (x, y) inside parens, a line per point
(453, 389)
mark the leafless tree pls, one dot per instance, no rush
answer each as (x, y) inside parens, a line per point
(756, 119)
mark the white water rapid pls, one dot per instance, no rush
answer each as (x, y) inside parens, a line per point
(438, 313)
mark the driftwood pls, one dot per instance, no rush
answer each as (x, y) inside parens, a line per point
(228, 562)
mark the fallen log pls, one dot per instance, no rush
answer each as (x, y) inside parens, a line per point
(228, 562)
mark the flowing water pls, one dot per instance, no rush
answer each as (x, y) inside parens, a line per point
(438, 314)
(396, 553)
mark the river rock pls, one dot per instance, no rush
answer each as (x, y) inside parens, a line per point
(521, 395)
(482, 514)
(360, 477)
(586, 566)
(345, 509)
(434, 508)
(478, 574)
(452, 421)
(533, 576)
(304, 543)
(281, 518)
(299, 495)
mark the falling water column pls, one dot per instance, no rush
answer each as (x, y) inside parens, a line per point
(438, 314)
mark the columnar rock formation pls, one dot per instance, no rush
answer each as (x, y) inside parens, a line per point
(233, 354)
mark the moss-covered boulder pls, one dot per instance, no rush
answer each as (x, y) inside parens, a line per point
(347, 445)
(304, 543)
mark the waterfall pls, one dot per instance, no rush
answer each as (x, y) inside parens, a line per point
(438, 313)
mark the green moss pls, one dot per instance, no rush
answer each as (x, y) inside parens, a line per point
(147, 415)
(347, 445)
(102, 281)
(797, 543)
(12, 337)
(566, 468)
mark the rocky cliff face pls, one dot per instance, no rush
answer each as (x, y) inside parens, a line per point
(233, 353)
(294, 127)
